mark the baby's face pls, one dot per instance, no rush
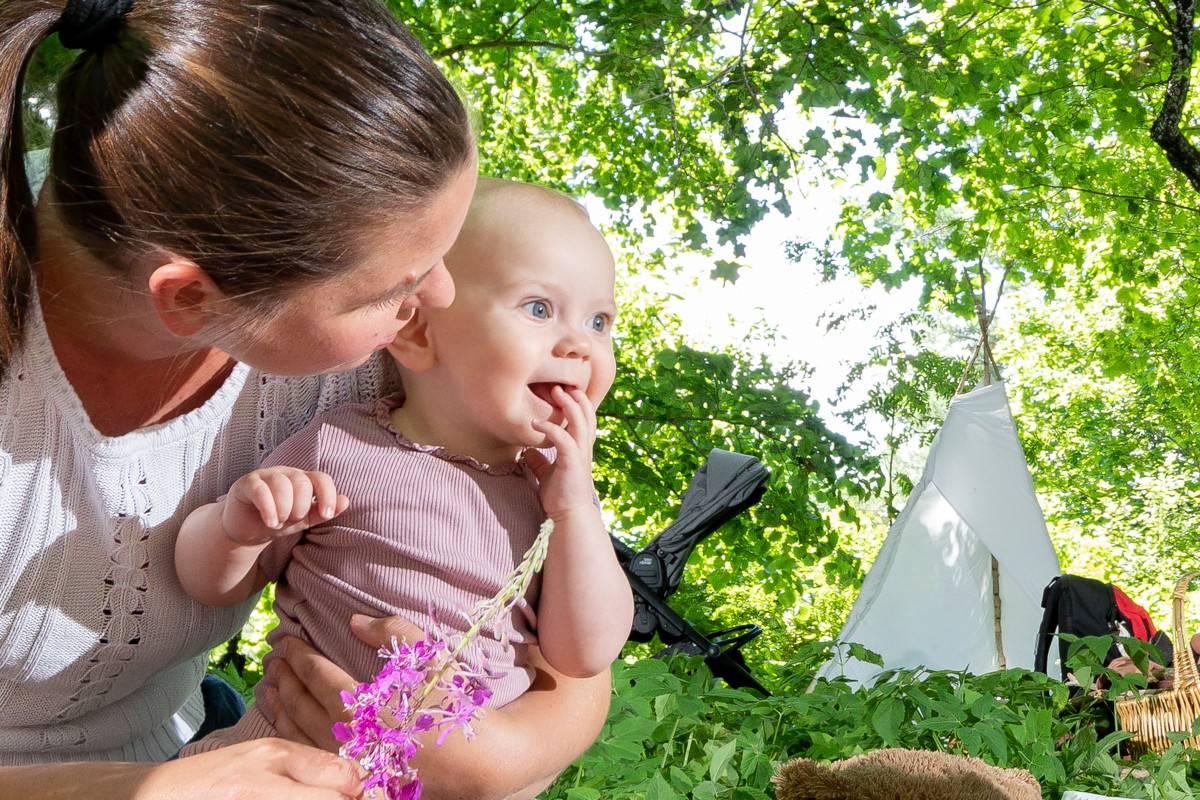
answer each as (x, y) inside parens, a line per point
(534, 309)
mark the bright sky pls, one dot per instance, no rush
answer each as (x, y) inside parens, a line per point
(792, 299)
(786, 296)
(789, 297)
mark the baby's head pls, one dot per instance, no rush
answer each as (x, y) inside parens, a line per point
(533, 308)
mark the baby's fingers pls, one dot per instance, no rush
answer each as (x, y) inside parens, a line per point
(541, 465)
(578, 425)
(326, 502)
(293, 494)
(557, 437)
(589, 410)
(256, 491)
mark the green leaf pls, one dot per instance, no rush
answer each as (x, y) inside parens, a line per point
(583, 793)
(725, 270)
(995, 740)
(659, 789)
(887, 718)
(720, 760)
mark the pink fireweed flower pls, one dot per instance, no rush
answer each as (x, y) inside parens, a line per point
(388, 712)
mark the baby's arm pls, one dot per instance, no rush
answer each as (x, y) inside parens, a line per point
(216, 555)
(585, 607)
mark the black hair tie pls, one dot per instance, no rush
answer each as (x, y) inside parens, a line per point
(91, 24)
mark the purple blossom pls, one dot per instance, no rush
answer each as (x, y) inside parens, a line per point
(385, 718)
(388, 713)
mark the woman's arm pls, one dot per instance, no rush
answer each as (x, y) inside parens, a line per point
(526, 743)
(263, 768)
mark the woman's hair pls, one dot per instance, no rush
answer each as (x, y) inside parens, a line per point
(260, 140)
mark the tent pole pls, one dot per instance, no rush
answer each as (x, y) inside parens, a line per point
(996, 614)
(989, 368)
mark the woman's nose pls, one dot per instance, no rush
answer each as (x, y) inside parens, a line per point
(436, 291)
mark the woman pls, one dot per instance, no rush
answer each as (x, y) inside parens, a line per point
(220, 248)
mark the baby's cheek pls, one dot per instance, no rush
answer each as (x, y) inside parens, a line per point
(602, 380)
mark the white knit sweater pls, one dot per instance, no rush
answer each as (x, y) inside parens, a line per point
(101, 652)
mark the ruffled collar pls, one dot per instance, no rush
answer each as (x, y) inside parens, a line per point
(383, 415)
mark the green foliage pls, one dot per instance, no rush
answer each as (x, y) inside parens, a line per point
(910, 386)
(240, 661)
(668, 111)
(671, 404)
(673, 732)
(1017, 135)
(1113, 451)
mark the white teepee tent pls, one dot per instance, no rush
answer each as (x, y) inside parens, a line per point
(972, 526)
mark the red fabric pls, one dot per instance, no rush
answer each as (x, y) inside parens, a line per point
(1139, 620)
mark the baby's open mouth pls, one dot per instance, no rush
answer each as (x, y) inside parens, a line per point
(542, 391)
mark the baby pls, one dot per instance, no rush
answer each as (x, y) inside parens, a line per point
(430, 499)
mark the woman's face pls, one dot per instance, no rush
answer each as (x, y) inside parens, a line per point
(337, 324)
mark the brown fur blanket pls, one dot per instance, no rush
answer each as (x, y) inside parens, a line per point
(903, 775)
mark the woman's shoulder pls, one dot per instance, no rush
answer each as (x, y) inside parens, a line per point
(287, 404)
(309, 395)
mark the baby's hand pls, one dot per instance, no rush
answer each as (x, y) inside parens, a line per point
(565, 485)
(278, 501)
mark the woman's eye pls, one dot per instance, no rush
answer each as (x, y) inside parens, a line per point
(389, 302)
(599, 323)
(538, 309)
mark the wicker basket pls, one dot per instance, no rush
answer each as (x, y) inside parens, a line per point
(1152, 714)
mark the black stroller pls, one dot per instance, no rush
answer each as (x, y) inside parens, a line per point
(725, 486)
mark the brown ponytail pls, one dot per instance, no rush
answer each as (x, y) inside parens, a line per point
(23, 25)
(260, 140)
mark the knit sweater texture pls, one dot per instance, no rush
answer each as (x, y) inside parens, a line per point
(101, 651)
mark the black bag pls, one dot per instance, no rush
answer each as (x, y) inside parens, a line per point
(1087, 607)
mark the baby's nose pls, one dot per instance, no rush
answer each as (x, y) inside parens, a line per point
(573, 344)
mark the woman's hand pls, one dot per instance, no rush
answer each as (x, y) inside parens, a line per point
(257, 769)
(247, 771)
(303, 700)
(526, 743)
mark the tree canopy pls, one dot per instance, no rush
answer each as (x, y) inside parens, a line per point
(1016, 138)
(1045, 144)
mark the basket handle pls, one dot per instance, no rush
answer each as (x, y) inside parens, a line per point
(1185, 663)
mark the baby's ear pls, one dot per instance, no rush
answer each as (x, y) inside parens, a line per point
(413, 346)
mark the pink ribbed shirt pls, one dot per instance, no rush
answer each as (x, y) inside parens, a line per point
(425, 529)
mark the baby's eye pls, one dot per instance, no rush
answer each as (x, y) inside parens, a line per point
(600, 323)
(538, 309)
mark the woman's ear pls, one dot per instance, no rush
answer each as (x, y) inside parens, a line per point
(413, 346)
(184, 297)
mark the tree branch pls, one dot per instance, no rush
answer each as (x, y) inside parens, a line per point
(1163, 12)
(1181, 153)
(1113, 195)
(1118, 12)
(502, 43)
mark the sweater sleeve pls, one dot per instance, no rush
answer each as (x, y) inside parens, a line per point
(301, 451)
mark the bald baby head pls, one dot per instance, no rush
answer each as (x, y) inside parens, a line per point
(513, 216)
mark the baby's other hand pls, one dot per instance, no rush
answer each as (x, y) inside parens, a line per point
(278, 501)
(565, 484)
